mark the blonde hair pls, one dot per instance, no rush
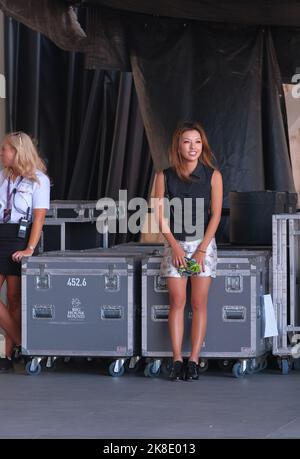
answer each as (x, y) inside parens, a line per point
(175, 158)
(27, 160)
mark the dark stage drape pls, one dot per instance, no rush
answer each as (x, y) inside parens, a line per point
(87, 122)
(228, 76)
(54, 18)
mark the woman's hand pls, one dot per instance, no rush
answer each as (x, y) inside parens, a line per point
(17, 256)
(199, 257)
(178, 255)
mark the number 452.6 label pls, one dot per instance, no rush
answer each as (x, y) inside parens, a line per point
(76, 282)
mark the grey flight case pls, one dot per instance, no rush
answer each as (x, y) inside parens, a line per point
(235, 319)
(72, 225)
(235, 313)
(286, 289)
(80, 304)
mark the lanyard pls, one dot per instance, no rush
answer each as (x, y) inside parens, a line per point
(10, 193)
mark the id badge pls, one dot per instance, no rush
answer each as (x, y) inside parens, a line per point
(6, 215)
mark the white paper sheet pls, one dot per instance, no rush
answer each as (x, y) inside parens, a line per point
(269, 320)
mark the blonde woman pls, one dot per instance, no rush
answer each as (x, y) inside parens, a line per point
(24, 200)
(192, 175)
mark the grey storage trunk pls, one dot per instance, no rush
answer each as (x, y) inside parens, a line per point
(71, 225)
(286, 286)
(234, 327)
(79, 304)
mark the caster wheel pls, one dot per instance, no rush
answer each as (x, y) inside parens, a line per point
(131, 369)
(150, 370)
(285, 367)
(36, 371)
(237, 370)
(166, 366)
(225, 364)
(51, 363)
(203, 365)
(52, 367)
(263, 365)
(112, 372)
(250, 368)
(297, 364)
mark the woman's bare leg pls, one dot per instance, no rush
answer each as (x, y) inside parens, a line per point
(14, 303)
(177, 299)
(199, 297)
(7, 322)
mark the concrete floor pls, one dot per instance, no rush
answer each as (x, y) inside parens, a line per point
(83, 402)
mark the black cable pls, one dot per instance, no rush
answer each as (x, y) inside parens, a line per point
(17, 209)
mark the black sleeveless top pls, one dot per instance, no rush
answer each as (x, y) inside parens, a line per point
(198, 186)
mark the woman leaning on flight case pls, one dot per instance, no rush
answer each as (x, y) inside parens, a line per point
(24, 200)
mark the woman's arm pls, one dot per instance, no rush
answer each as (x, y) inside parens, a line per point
(159, 195)
(35, 234)
(216, 209)
(37, 226)
(178, 253)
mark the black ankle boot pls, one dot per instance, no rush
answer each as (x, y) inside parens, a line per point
(192, 373)
(17, 354)
(177, 371)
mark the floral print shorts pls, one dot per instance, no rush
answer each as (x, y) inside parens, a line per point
(167, 269)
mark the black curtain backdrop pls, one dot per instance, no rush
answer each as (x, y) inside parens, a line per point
(228, 78)
(87, 122)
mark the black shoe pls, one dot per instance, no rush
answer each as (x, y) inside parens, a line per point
(6, 365)
(16, 354)
(192, 371)
(177, 371)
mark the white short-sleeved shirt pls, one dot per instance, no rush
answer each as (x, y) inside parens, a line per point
(29, 194)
